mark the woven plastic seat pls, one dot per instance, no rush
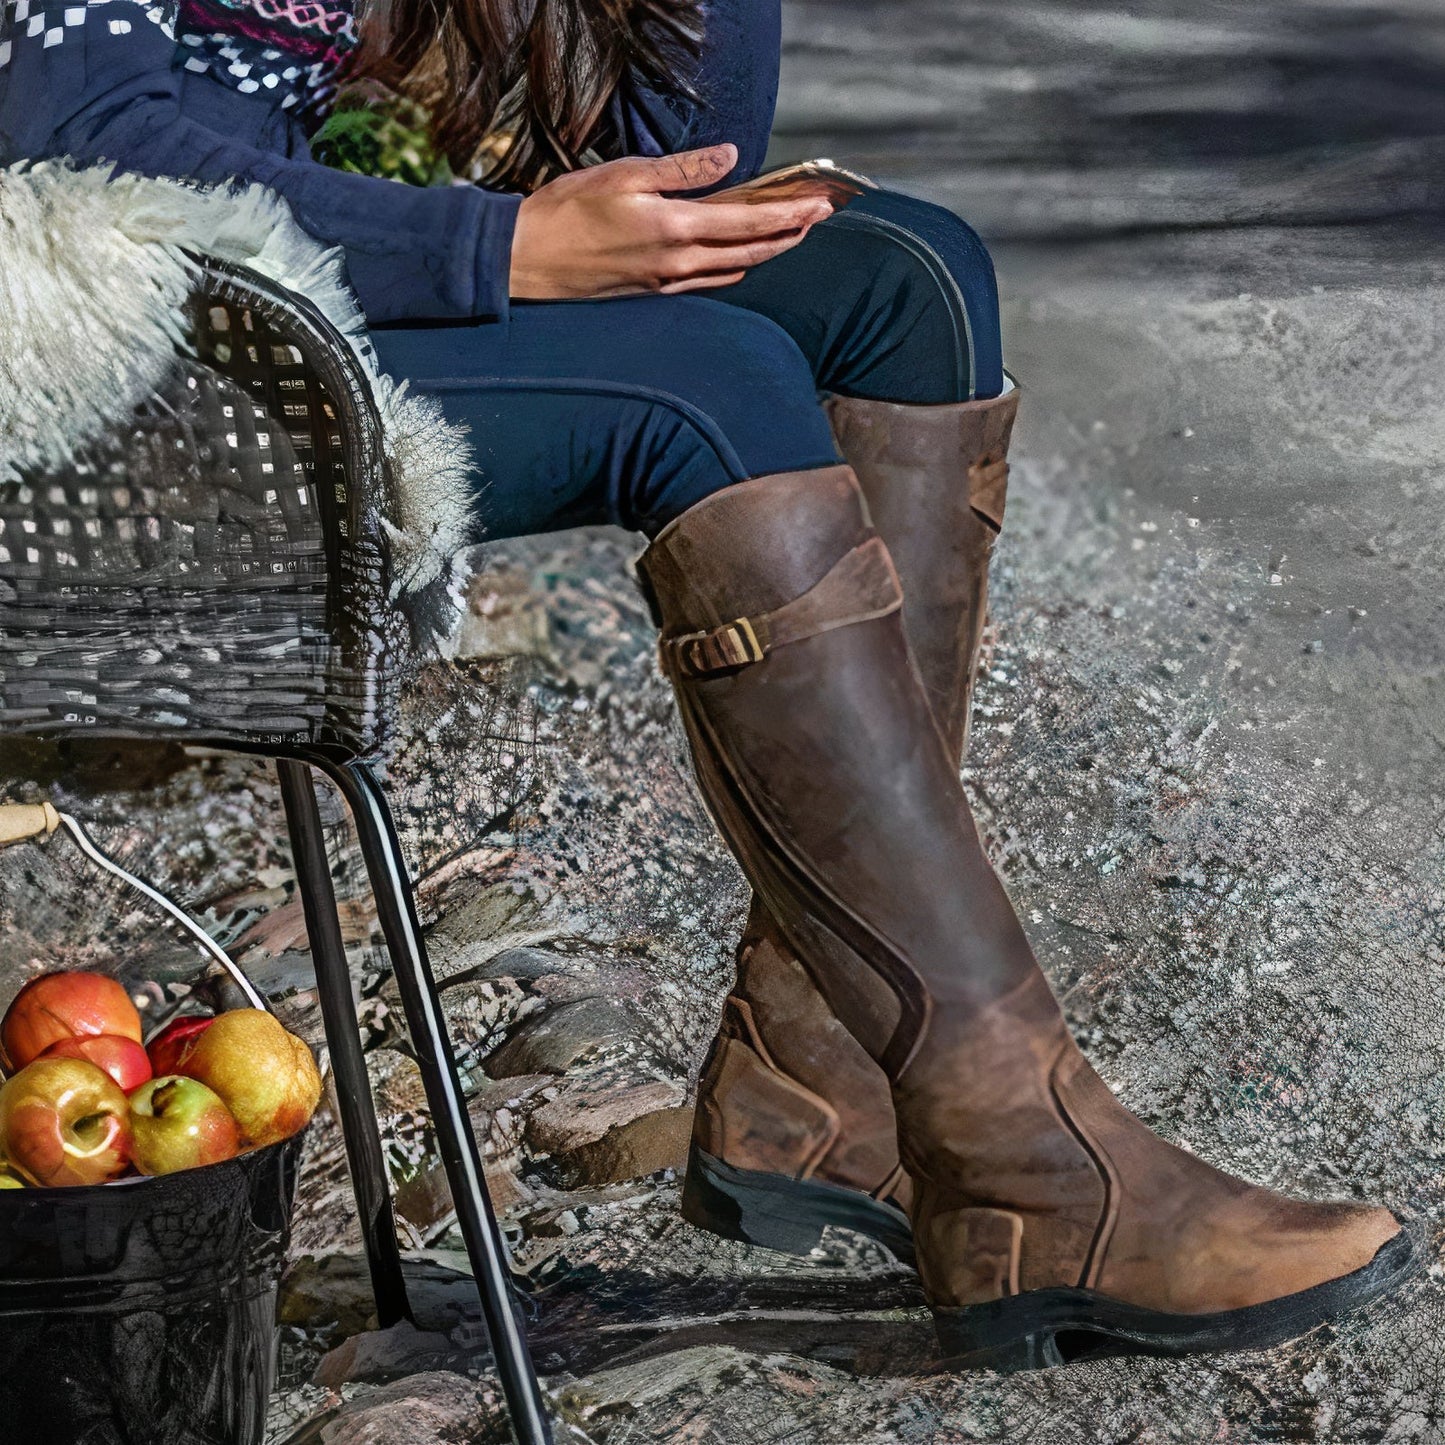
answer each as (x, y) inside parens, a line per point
(213, 567)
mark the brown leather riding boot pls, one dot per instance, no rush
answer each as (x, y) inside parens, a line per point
(1048, 1222)
(794, 1124)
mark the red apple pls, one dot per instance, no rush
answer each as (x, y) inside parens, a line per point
(64, 1121)
(266, 1076)
(168, 1049)
(123, 1059)
(59, 1006)
(178, 1123)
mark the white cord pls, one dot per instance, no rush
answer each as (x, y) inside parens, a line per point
(189, 924)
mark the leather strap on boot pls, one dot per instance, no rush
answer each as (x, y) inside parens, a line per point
(936, 480)
(861, 586)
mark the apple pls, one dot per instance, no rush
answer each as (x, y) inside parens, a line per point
(59, 1006)
(265, 1075)
(123, 1059)
(64, 1121)
(178, 1123)
(169, 1046)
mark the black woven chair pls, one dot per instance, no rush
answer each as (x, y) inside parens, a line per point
(213, 571)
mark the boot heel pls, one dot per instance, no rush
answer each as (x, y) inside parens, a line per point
(1020, 1332)
(1032, 1352)
(781, 1213)
(746, 1205)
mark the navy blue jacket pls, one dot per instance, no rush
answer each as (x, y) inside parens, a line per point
(102, 82)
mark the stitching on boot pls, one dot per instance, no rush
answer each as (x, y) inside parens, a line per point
(886, 960)
(987, 496)
(744, 1011)
(834, 1125)
(1093, 1265)
(738, 1061)
(979, 1252)
(889, 1187)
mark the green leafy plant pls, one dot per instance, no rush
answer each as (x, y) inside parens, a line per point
(374, 132)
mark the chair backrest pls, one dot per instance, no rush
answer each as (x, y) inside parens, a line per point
(211, 568)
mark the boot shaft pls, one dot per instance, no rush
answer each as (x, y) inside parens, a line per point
(787, 1090)
(820, 756)
(936, 480)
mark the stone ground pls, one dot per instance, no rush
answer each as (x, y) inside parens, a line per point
(1207, 757)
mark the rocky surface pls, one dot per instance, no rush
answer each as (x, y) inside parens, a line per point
(1207, 758)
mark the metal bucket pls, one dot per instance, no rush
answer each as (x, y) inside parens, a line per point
(143, 1312)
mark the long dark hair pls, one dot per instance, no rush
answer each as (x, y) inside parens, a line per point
(532, 78)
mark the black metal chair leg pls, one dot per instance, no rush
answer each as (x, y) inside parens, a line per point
(338, 1011)
(397, 911)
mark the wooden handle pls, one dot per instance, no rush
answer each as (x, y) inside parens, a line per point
(19, 821)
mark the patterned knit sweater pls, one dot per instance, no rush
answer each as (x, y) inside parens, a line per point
(294, 47)
(290, 49)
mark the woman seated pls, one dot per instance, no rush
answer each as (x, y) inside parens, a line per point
(804, 409)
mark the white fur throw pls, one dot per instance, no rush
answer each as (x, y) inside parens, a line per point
(93, 281)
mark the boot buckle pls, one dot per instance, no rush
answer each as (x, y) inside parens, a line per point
(737, 644)
(734, 644)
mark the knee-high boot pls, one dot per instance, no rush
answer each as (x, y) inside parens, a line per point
(1047, 1220)
(794, 1124)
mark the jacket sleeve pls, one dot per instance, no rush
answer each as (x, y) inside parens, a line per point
(411, 253)
(736, 77)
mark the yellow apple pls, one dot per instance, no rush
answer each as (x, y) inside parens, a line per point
(64, 1121)
(265, 1076)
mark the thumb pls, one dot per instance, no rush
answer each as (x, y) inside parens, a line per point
(686, 171)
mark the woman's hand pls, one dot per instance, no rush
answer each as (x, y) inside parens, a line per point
(608, 230)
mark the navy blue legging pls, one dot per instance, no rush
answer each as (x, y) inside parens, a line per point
(630, 410)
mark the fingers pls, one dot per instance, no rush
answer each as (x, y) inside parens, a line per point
(690, 261)
(701, 283)
(686, 171)
(670, 288)
(715, 224)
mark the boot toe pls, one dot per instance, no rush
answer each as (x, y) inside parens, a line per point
(1335, 1240)
(1289, 1246)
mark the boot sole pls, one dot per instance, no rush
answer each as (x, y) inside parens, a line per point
(786, 1214)
(1049, 1327)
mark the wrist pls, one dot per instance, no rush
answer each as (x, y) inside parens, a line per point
(525, 280)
